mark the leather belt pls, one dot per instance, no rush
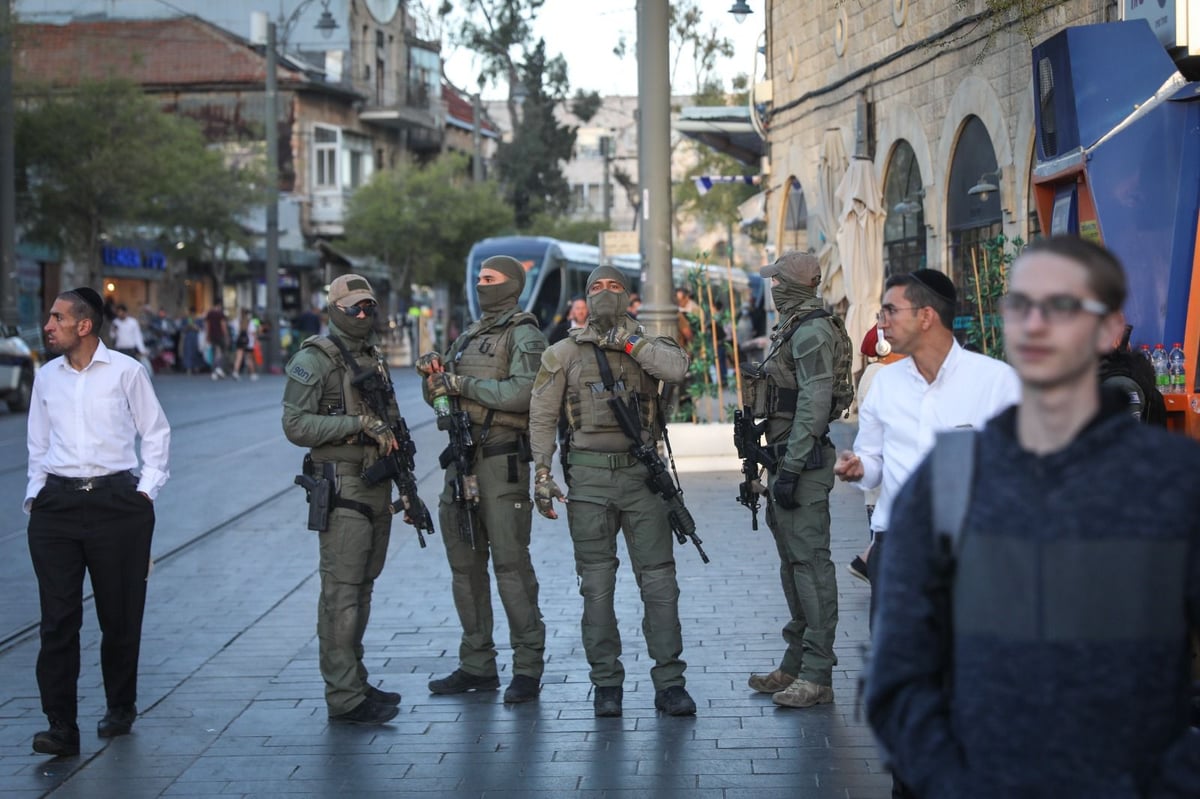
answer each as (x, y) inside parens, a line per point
(600, 460)
(90, 483)
(778, 451)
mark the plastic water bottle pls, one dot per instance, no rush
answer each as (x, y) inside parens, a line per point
(1177, 370)
(1145, 351)
(441, 405)
(1162, 377)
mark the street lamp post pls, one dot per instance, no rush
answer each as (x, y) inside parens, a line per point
(654, 165)
(273, 362)
(8, 237)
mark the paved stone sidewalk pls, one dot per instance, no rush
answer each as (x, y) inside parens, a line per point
(232, 701)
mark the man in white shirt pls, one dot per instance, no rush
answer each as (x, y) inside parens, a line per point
(127, 334)
(938, 387)
(88, 511)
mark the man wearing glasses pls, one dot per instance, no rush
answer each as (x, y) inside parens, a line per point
(940, 386)
(1049, 657)
(323, 410)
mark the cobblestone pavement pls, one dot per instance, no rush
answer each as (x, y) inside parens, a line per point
(232, 704)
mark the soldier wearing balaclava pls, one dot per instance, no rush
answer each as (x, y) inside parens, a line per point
(612, 357)
(793, 391)
(488, 372)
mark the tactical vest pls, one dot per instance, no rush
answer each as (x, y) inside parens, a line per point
(586, 405)
(349, 402)
(486, 353)
(773, 389)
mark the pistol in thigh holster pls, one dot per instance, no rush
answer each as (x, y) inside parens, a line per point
(319, 483)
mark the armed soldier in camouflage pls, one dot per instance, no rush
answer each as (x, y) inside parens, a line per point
(795, 393)
(322, 410)
(490, 370)
(612, 358)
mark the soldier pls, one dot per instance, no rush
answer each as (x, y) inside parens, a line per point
(612, 358)
(490, 369)
(798, 399)
(323, 410)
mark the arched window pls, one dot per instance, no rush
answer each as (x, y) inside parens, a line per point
(904, 201)
(795, 220)
(972, 208)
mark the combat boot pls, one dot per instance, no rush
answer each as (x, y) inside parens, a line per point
(459, 682)
(675, 701)
(523, 688)
(772, 683)
(803, 693)
(368, 712)
(384, 697)
(607, 701)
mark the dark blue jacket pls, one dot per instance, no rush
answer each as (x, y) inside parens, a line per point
(1067, 667)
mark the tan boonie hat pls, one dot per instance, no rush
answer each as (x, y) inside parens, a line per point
(801, 268)
(350, 290)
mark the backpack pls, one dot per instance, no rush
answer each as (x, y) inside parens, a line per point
(843, 362)
(1127, 372)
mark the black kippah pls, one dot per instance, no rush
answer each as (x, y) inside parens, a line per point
(92, 298)
(937, 282)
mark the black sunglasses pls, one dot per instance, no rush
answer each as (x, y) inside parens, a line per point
(356, 311)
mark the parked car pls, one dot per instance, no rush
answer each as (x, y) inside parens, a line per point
(16, 370)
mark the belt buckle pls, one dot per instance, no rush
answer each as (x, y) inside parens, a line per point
(87, 484)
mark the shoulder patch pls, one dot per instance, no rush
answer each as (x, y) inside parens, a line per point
(302, 372)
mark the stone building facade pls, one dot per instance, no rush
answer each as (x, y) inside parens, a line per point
(937, 97)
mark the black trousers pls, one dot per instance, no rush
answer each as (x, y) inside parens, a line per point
(107, 532)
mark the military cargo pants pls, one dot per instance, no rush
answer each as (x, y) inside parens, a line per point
(603, 500)
(353, 551)
(502, 523)
(807, 574)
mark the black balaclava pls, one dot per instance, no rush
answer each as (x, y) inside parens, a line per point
(499, 297)
(607, 308)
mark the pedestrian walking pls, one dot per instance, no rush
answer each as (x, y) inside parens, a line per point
(216, 329)
(1035, 642)
(127, 334)
(802, 385)
(246, 341)
(324, 410)
(940, 386)
(489, 372)
(88, 512)
(612, 358)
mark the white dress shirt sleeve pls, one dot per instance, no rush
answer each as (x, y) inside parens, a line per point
(152, 426)
(868, 444)
(37, 438)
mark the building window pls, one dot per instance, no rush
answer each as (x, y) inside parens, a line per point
(904, 201)
(358, 158)
(972, 218)
(795, 220)
(325, 150)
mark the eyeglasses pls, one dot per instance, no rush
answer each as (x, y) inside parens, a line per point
(356, 311)
(889, 310)
(1055, 308)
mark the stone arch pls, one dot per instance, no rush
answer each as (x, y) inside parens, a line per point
(1026, 138)
(901, 121)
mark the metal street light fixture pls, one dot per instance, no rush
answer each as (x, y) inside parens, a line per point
(741, 9)
(985, 186)
(326, 24)
(910, 204)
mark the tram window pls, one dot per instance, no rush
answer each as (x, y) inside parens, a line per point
(545, 305)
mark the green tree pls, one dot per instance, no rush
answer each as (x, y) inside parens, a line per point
(565, 228)
(105, 158)
(530, 166)
(423, 219)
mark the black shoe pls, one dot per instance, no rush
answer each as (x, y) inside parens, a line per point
(858, 568)
(384, 697)
(117, 721)
(523, 688)
(459, 682)
(674, 701)
(368, 712)
(61, 739)
(607, 701)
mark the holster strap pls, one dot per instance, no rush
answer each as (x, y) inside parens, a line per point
(358, 507)
(600, 460)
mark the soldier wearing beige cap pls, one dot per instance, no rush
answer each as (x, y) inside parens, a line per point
(323, 411)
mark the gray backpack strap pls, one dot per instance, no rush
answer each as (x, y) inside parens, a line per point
(953, 468)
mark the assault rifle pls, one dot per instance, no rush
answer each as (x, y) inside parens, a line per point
(659, 480)
(398, 465)
(460, 453)
(746, 435)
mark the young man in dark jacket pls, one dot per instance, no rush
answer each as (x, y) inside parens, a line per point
(1050, 656)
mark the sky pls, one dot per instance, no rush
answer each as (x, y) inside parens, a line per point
(586, 32)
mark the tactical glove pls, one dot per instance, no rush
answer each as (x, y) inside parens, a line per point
(615, 339)
(379, 430)
(545, 490)
(784, 490)
(454, 383)
(425, 363)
